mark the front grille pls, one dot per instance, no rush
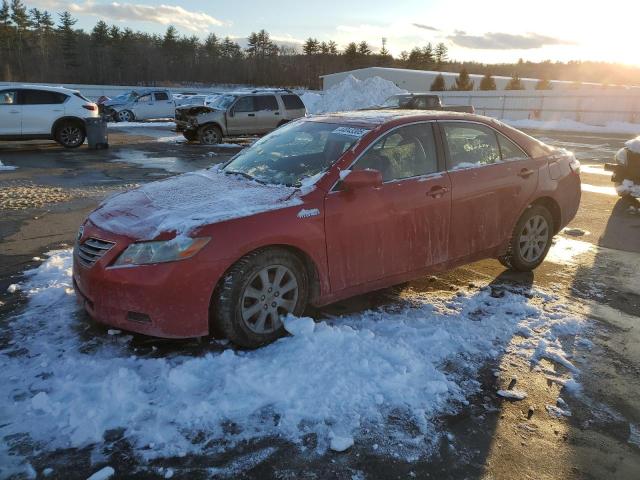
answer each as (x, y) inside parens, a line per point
(91, 250)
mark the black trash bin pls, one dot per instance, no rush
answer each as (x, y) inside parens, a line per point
(97, 137)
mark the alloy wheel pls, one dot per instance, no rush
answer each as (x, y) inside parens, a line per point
(534, 238)
(270, 294)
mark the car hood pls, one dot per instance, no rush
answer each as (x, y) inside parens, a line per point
(185, 202)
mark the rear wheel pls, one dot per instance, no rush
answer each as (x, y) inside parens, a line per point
(190, 135)
(70, 133)
(256, 293)
(530, 241)
(210, 135)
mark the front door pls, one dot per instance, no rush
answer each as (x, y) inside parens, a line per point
(399, 227)
(10, 113)
(492, 180)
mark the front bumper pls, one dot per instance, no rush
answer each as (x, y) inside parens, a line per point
(169, 300)
(623, 172)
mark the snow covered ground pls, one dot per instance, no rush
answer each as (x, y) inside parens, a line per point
(377, 378)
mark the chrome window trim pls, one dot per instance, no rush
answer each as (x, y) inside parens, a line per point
(418, 122)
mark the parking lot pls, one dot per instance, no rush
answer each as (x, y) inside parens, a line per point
(591, 274)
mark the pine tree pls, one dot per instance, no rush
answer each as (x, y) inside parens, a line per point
(487, 82)
(463, 82)
(438, 84)
(543, 84)
(515, 83)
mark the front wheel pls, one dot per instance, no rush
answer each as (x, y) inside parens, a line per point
(70, 134)
(530, 241)
(256, 293)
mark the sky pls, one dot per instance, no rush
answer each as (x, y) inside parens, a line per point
(485, 31)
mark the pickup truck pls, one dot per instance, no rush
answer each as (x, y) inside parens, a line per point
(146, 104)
(238, 113)
(422, 101)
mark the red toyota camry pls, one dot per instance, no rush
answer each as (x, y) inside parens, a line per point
(321, 209)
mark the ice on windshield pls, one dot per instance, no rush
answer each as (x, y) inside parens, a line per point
(294, 152)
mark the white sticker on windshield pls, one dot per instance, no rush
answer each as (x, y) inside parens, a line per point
(351, 131)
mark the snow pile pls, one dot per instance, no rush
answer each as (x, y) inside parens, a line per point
(633, 144)
(627, 187)
(351, 94)
(6, 168)
(567, 125)
(185, 202)
(374, 378)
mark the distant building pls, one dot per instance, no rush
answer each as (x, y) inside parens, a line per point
(420, 80)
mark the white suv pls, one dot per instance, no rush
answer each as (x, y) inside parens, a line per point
(30, 112)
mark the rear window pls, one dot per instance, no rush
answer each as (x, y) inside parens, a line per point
(292, 102)
(161, 96)
(42, 97)
(265, 102)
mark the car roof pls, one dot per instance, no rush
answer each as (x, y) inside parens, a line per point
(375, 118)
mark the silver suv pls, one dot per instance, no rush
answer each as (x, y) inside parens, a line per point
(238, 113)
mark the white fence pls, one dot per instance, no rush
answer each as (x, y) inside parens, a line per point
(594, 107)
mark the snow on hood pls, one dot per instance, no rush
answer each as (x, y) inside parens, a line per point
(185, 202)
(633, 145)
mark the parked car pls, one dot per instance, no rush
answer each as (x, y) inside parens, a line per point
(422, 101)
(33, 112)
(626, 169)
(321, 209)
(239, 113)
(143, 104)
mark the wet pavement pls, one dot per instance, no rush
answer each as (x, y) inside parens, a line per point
(45, 199)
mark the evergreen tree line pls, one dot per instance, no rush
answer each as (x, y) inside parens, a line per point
(38, 46)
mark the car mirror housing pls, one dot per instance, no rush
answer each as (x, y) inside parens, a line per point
(362, 178)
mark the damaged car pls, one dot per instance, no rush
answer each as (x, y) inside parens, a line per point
(238, 113)
(626, 169)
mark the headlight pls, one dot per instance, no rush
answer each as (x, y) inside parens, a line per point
(144, 253)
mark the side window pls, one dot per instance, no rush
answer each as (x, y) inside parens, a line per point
(470, 145)
(403, 153)
(144, 98)
(245, 104)
(42, 97)
(509, 150)
(292, 102)
(161, 96)
(265, 102)
(8, 97)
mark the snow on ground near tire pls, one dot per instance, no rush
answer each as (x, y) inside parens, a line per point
(347, 379)
(351, 94)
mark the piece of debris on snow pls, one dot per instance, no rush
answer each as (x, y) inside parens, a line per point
(340, 444)
(513, 394)
(299, 327)
(103, 474)
(555, 411)
(13, 288)
(575, 232)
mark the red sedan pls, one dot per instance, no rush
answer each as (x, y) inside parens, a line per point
(321, 209)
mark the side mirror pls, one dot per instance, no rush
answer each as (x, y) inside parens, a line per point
(362, 178)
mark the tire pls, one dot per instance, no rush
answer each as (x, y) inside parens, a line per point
(530, 241)
(70, 133)
(250, 300)
(210, 135)
(125, 116)
(190, 135)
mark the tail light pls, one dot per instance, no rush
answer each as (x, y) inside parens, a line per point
(90, 106)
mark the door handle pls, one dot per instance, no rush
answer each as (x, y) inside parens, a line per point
(251, 115)
(437, 191)
(525, 173)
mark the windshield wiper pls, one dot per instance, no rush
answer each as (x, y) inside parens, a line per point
(245, 175)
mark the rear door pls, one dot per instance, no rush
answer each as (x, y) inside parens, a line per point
(492, 180)
(400, 227)
(40, 109)
(10, 113)
(164, 106)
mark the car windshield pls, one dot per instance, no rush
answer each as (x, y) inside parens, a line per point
(223, 102)
(294, 152)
